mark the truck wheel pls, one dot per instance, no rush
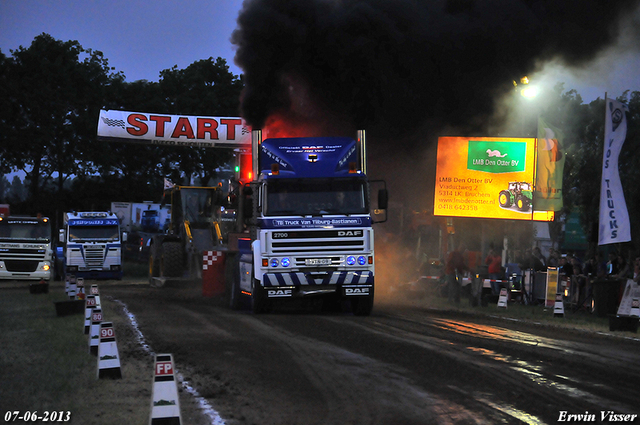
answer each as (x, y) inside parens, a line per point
(232, 279)
(154, 266)
(172, 261)
(258, 297)
(522, 203)
(504, 199)
(362, 306)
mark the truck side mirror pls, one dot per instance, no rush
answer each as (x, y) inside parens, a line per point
(124, 236)
(383, 199)
(61, 235)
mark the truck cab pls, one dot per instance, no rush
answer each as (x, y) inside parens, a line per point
(311, 229)
(91, 245)
(26, 251)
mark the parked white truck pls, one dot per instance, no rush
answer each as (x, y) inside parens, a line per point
(91, 245)
(25, 248)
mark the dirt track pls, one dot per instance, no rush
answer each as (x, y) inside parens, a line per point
(401, 365)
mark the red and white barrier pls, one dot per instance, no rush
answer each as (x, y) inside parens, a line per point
(212, 273)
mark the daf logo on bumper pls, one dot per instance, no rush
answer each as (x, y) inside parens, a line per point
(356, 291)
(279, 293)
(350, 233)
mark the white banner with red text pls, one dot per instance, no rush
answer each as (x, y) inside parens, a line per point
(173, 130)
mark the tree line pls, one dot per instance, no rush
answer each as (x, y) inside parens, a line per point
(51, 93)
(50, 97)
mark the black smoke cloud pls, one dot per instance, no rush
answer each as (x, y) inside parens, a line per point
(396, 65)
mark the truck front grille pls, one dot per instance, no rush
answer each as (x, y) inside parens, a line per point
(21, 265)
(94, 257)
(320, 241)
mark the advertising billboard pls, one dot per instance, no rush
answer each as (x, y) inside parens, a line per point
(487, 177)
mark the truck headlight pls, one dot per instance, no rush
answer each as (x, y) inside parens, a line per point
(285, 262)
(46, 267)
(274, 262)
(362, 260)
(351, 260)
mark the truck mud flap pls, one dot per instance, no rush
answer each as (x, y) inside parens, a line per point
(356, 290)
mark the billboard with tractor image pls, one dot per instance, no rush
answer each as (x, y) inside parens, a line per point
(487, 177)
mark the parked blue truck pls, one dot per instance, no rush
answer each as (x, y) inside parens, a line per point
(91, 245)
(309, 224)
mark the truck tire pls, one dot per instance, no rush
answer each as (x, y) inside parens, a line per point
(232, 282)
(504, 198)
(172, 259)
(259, 300)
(362, 306)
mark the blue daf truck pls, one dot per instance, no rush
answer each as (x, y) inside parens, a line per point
(308, 220)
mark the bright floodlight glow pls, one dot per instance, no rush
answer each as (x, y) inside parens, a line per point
(530, 92)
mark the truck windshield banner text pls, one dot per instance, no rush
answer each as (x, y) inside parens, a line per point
(315, 222)
(93, 222)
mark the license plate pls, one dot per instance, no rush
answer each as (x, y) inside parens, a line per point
(317, 261)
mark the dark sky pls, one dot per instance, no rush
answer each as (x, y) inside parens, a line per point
(141, 40)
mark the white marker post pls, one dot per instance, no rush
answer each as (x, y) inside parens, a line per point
(558, 308)
(94, 334)
(108, 358)
(165, 405)
(96, 293)
(66, 284)
(502, 301)
(81, 294)
(89, 305)
(72, 287)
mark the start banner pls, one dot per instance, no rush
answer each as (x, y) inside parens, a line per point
(173, 130)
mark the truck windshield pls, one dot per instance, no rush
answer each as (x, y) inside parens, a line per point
(25, 229)
(316, 196)
(94, 233)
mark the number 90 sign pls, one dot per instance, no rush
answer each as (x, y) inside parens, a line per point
(107, 333)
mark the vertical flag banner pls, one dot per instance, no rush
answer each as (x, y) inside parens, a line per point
(550, 168)
(614, 217)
